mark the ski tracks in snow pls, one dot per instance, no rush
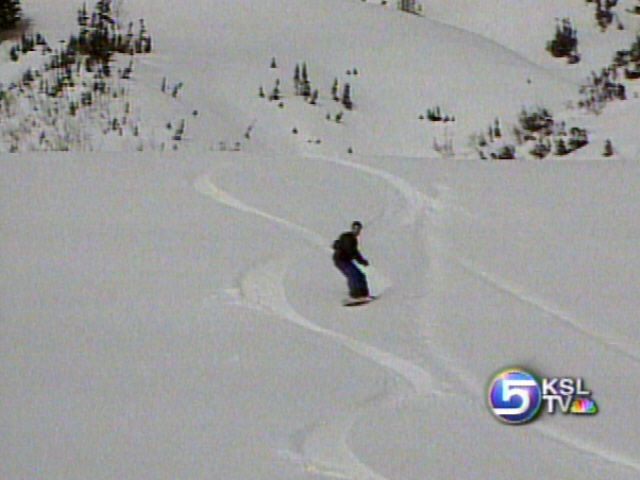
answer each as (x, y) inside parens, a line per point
(204, 185)
(416, 201)
(264, 286)
(600, 336)
(444, 204)
(324, 448)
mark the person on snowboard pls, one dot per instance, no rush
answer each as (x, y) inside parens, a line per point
(345, 252)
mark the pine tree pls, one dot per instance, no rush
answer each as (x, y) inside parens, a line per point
(305, 83)
(314, 97)
(408, 6)
(13, 53)
(296, 79)
(608, 148)
(83, 16)
(334, 90)
(565, 43)
(148, 47)
(561, 148)
(275, 93)
(10, 14)
(99, 42)
(346, 97)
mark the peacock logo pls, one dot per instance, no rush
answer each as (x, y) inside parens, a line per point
(584, 406)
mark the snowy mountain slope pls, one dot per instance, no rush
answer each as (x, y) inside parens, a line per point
(180, 317)
(406, 65)
(421, 62)
(527, 26)
(177, 315)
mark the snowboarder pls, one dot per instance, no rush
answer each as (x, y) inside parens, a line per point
(345, 252)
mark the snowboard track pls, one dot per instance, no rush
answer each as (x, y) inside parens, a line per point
(324, 449)
(522, 295)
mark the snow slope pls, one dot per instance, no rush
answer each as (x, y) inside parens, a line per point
(176, 314)
(180, 318)
(486, 64)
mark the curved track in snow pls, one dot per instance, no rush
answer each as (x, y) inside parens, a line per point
(324, 448)
(598, 336)
(416, 201)
(419, 204)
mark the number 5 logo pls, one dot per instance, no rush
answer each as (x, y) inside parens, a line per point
(514, 396)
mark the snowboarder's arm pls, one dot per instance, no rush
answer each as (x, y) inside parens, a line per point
(357, 256)
(360, 259)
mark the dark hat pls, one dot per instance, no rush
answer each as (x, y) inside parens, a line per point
(355, 224)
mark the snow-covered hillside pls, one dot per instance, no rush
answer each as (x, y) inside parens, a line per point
(179, 317)
(475, 62)
(170, 310)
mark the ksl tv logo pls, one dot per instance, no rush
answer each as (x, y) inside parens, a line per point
(516, 396)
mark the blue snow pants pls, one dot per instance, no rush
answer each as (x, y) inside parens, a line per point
(356, 280)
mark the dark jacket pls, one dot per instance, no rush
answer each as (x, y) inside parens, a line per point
(345, 248)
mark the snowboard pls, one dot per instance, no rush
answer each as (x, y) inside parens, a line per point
(354, 302)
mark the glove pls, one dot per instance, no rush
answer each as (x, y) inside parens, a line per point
(364, 262)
